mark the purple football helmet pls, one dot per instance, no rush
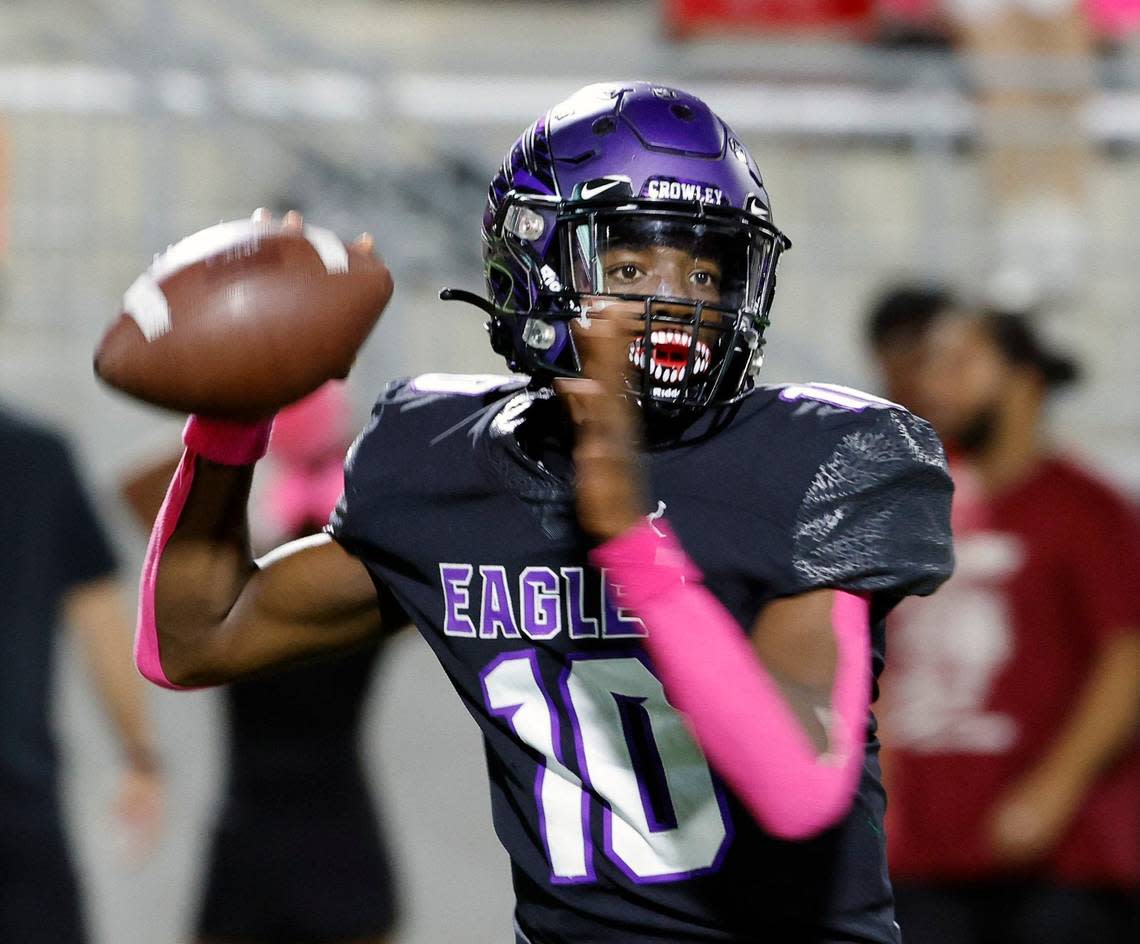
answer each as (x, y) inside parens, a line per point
(637, 194)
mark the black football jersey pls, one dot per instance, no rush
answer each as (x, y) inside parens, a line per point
(457, 499)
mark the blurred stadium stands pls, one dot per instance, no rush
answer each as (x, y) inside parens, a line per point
(125, 124)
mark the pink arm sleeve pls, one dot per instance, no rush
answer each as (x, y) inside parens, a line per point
(734, 707)
(218, 441)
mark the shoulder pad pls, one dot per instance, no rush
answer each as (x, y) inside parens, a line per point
(433, 386)
(876, 513)
(471, 385)
(835, 395)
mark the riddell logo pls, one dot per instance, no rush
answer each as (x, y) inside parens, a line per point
(669, 188)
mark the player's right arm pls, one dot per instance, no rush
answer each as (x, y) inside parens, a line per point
(209, 613)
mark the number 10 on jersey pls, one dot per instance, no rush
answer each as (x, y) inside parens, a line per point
(664, 819)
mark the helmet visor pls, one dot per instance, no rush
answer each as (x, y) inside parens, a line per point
(721, 264)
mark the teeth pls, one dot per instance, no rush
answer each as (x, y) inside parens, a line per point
(702, 357)
(671, 337)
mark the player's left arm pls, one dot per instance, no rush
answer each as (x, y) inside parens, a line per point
(781, 712)
(797, 640)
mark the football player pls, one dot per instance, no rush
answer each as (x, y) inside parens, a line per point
(672, 757)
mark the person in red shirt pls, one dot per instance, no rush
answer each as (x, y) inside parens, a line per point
(1014, 765)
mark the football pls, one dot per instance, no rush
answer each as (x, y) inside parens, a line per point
(243, 318)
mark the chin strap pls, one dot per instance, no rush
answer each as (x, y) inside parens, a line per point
(502, 327)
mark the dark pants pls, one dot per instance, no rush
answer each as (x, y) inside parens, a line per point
(1014, 913)
(39, 897)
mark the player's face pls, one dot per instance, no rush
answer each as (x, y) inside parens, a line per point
(680, 282)
(963, 381)
(664, 271)
(667, 271)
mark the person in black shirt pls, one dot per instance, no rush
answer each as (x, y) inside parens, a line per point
(58, 567)
(279, 868)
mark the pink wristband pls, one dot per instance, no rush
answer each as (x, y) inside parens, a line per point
(227, 442)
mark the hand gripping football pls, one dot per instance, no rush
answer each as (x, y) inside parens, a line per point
(243, 318)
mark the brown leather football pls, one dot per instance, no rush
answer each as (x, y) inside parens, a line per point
(243, 318)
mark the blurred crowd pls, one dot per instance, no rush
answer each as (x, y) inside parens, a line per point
(1010, 703)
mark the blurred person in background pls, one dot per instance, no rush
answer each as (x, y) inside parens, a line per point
(1012, 752)
(895, 333)
(59, 568)
(298, 854)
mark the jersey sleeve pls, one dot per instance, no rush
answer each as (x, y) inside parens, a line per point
(396, 449)
(875, 515)
(349, 523)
